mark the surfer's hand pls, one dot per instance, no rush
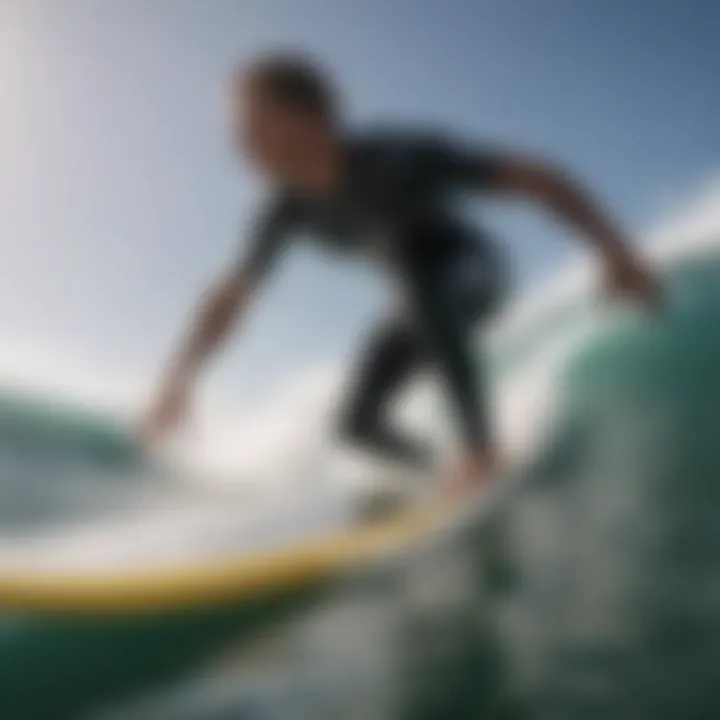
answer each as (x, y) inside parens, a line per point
(168, 410)
(629, 279)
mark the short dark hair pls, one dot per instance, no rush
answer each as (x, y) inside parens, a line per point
(296, 81)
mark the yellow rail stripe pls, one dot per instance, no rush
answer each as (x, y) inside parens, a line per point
(229, 580)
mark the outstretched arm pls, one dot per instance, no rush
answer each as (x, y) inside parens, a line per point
(213, 319)
(565, 197)
(515, 175)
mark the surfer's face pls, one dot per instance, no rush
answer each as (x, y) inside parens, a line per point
(271, 135)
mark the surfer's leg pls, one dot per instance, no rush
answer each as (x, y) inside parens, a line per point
(455, 304)
(460, 297)
(478, 286)
(392, 355)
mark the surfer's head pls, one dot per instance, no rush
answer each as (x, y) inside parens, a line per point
(283, 107)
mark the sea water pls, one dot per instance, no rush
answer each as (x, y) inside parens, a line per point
(594, 592)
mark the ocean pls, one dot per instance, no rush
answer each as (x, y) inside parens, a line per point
(590, 591)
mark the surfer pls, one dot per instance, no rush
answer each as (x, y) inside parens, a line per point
(387, 194)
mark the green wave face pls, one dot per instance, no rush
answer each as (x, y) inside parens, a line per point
(614, 544)
(32, 426)
(59, 462)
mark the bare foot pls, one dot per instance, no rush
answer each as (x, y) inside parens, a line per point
(471, 475)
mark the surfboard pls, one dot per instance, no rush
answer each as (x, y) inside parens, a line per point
(118, 567)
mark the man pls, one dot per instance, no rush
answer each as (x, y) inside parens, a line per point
(388, 195)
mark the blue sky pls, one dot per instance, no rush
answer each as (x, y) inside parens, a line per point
(119, 197)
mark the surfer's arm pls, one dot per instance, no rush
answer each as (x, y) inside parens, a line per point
(564, 196)
(214, 317)
(477, 168)
(556, 190)
(515, 175)
(226, 301)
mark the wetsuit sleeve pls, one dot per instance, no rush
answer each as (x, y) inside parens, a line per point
(268, 238)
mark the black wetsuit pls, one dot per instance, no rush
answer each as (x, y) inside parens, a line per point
(396, 203)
